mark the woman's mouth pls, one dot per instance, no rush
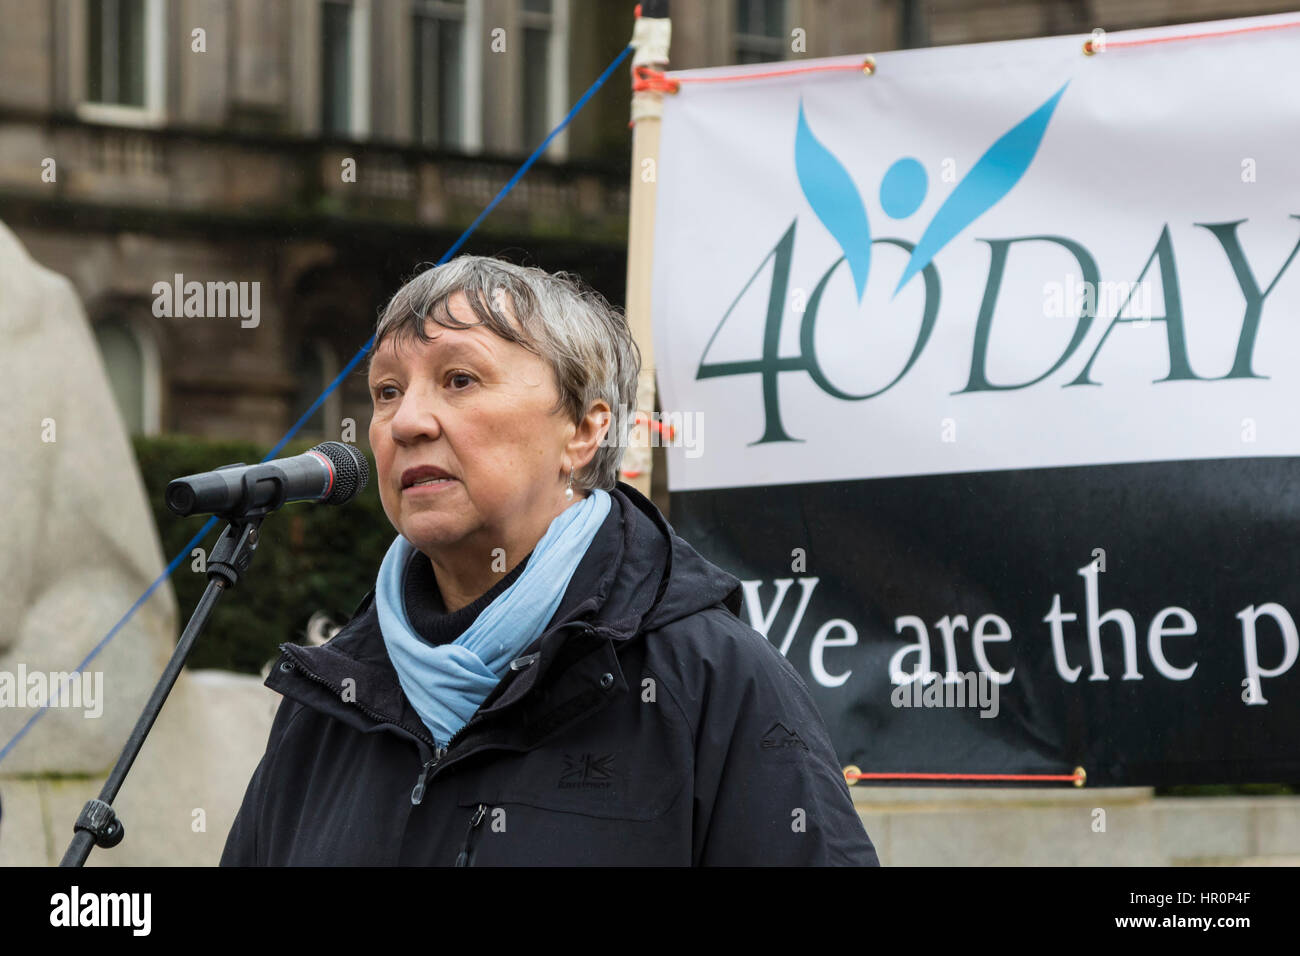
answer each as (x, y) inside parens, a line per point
(428, 484)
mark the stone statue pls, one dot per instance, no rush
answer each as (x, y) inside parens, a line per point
(80, 547)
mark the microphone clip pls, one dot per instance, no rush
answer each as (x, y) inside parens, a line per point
(233, 552)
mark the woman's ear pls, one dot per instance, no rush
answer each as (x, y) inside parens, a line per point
(588, 434)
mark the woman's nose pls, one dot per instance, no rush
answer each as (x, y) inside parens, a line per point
(415, 417)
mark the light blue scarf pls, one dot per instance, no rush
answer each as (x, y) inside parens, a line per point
(446, 683)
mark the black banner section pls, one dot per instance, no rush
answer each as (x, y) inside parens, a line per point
(1170, 657)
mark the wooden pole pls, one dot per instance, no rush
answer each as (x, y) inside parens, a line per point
(650, 37)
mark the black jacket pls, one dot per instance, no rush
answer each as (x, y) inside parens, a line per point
(648, 725)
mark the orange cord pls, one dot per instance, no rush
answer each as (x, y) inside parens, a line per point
(648, 78)
(1076, 778)
(1090, 48)
(643, 419)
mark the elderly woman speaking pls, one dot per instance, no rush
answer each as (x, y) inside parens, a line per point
(544, 673)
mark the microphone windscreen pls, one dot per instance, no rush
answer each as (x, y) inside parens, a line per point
(351, 471)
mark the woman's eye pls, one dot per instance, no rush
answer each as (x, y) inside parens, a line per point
(386, 388)
(455, 377)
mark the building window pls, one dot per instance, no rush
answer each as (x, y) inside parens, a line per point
(445, 68)
(124, 61)
(345, 68)
(314, 368)
(131, 361)
(760, 30)
(115, 51)
(545, 26)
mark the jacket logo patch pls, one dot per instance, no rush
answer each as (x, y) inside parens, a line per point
(587, 772)
(780, 736)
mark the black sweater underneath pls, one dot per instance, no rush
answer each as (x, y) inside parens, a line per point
(426, 610)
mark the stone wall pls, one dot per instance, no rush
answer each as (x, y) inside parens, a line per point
(920, 826)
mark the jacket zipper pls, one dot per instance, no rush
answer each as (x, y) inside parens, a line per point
(417, 795)
(464, 857)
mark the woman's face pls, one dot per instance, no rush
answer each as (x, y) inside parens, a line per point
(479, 408)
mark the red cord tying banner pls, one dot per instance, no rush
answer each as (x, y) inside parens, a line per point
(648, 78)
(1090, 46)
(852, 775)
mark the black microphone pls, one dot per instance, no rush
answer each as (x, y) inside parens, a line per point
(332, 473)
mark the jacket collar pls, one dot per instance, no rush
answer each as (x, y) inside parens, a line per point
(636, 575)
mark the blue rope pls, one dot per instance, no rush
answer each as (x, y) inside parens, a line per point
(347, 369)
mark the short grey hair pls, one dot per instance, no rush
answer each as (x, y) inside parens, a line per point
(584, 339)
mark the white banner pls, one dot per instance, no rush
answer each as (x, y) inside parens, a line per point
(986, 257)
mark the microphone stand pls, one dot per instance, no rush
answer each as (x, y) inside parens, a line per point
(98, 824)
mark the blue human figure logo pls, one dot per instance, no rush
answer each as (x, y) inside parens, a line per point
(831, 193)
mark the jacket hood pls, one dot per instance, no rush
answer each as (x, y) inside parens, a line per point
(684, 582)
